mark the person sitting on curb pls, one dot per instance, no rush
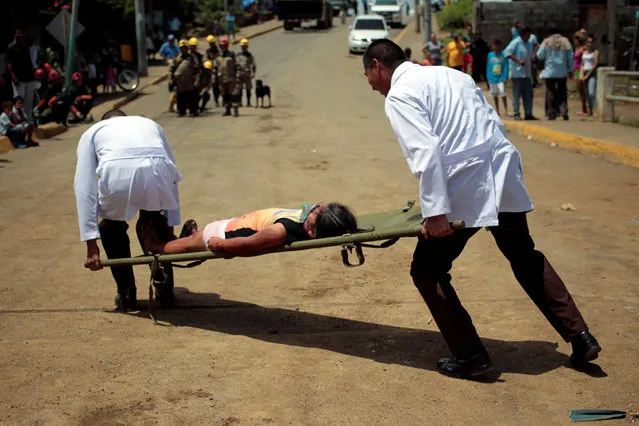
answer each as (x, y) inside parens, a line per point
(9, 129)
(19, 118)
(82, 99)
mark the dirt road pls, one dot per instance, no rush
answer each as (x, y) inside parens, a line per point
(297, 338)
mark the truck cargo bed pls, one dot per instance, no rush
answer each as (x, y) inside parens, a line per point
(300, 9)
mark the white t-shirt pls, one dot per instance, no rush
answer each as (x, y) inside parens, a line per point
(5, 120)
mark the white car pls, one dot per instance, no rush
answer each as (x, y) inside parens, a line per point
(364, 31)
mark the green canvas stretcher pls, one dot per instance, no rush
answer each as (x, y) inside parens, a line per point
(389, 226)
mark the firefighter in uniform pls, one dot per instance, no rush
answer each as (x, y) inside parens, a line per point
(184, 70)
(182, 45)
(227, 73)
(246, 62)
(211, 54)
(204, 83)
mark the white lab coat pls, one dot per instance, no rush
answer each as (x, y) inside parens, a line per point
(455, 144)
(124, 165)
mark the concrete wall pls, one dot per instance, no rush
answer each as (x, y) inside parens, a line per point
(495, 19)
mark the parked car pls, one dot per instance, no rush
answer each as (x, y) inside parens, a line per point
(364, 31)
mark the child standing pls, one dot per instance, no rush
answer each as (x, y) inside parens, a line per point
(7, 128)
(497, 74)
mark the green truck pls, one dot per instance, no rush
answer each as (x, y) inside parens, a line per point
(294, 12)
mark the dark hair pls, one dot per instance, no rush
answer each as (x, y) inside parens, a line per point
(497, 41)
(386, 52)
(6, 104)
(113, 113)
(18, 98)
(592, 36)
(334, 221)
(525, 30)
(408, 52)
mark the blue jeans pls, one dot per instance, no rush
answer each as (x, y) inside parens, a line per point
(522, 88)
(590, 87)
(17, 137)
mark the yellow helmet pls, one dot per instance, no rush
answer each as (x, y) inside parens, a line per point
(193, 41)
(208, 65)
(211, 38)
(182, 43)
(244, 42)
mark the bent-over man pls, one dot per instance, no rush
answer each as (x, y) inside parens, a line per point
(455, 144)
(125, 166)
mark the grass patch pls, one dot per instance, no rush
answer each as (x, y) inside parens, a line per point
(456, 15)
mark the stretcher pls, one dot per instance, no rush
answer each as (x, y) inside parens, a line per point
(388, 227)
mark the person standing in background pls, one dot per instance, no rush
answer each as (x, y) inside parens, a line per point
(21, 71)
(520, 53)
(435, 47)
(589, 64)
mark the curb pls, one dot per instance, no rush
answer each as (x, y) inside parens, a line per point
(133, 96)
(612, 151)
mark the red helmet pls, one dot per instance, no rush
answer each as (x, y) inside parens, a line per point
(47, 67)
(224, 42)
(76, 76)
(39, 74)
(54, 75)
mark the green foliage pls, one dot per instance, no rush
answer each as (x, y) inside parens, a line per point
(456, 15)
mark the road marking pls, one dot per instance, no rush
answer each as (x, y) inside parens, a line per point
(400, 35)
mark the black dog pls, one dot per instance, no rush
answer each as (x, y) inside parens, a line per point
(262, 90)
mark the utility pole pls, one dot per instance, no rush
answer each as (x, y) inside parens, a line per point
(427, 20)
(140, 32)
(611, 10)
(68, 68)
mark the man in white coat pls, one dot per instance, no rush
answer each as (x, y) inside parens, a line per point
(125, 166)
(455, 144)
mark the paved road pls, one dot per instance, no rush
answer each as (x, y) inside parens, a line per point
(297, 338)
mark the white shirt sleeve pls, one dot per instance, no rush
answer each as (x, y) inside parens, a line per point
(86, 188)
(421, 149)
(173, 216)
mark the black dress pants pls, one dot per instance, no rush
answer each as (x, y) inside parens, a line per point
(433, 260)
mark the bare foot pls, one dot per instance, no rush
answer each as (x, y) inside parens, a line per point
(582, 114)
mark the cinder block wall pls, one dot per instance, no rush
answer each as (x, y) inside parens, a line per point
(496, 19)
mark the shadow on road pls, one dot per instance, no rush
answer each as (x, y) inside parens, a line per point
(382, 343)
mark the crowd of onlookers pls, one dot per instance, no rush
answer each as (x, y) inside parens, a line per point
(33, 92)
(522, 62)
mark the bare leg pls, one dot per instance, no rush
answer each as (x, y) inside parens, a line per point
(30, 133)
(505, 104)
(190, 244)
(496, 100)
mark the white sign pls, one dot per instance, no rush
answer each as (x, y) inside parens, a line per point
(60, 27)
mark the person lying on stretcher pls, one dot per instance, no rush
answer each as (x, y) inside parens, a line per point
(258, 230)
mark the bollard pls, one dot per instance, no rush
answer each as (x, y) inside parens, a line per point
(418, 17)
(605, 87)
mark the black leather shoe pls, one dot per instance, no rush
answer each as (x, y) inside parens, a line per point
(130, 300)
(585, 348)
(530, 118)
(464, 365)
